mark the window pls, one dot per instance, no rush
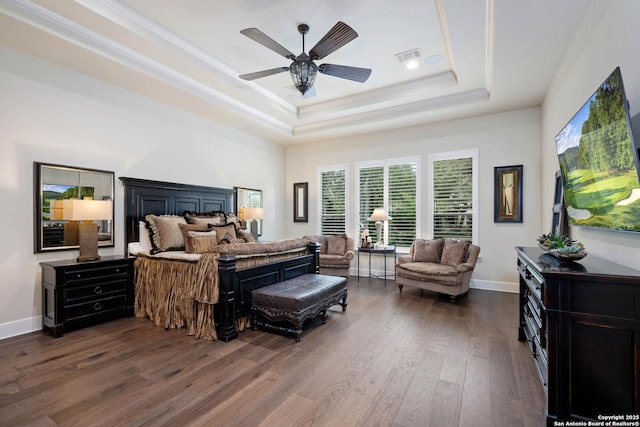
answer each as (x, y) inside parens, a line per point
(392, 185)
(332, 200)
(453, 195)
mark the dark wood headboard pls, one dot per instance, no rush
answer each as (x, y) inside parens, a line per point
(143, 197)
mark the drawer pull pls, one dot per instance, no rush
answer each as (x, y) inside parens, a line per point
(117, 270)
(97, 290)
(78, 275)
(97, 306)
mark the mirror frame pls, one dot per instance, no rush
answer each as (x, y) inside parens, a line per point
(236, 203)
(38, 220)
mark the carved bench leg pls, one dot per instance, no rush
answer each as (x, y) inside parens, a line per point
(254, 320)
(323, 316)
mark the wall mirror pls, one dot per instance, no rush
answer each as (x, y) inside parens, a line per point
(55, 183)
(249, 198)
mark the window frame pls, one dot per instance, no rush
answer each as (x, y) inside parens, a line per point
(452, 155)
(329, 168)
(385, 164)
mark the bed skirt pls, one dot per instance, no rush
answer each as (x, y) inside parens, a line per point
(177, 294)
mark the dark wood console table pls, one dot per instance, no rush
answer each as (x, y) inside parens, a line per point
(582, 323)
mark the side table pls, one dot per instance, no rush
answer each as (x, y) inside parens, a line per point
(384, 252)
(76, 294)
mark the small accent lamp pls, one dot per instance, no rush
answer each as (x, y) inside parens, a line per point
(378, 216)
(85, 212)
(253, 215)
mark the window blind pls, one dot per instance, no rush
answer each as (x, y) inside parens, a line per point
(333, 205)
(392, 185)
(453, 198)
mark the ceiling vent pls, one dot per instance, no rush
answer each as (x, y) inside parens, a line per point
(413, 54)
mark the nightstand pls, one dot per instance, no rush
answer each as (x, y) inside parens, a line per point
(77, 294)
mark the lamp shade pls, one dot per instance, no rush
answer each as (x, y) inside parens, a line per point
(87, 210)
(254, 213)
(379, 214)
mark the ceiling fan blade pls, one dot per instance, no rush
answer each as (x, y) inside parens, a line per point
(344, 72)
(265, 73)
(266, 41)
(337, 37)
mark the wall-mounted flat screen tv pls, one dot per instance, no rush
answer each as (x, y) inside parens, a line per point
(599, 161)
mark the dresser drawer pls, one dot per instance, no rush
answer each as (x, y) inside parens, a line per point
(78, 276)
(94, 292)
(93, 308)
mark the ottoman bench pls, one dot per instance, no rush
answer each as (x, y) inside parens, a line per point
(295, 300)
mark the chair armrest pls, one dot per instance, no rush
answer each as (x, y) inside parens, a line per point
(349, 255)
(404, 259)
(464, 267)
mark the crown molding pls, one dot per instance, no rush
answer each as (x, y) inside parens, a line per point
(61, 27)
(385, 94)
(381, 105)
(390, 113)
(134, 21)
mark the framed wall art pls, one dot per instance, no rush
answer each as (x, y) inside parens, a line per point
(301, 202)
(507, 194)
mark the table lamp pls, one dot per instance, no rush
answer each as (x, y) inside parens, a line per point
(253, 215)
(85, 212)
(379, 215)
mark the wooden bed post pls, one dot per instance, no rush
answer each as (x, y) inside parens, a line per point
(314, 249)
(226, 309)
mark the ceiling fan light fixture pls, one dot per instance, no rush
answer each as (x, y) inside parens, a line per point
(303, 72)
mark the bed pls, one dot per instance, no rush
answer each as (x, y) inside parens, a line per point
(213, 312)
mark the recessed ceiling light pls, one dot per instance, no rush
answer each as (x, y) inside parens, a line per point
(433, 59)
(412, 64)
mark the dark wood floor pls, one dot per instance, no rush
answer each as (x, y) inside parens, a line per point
(410, 359)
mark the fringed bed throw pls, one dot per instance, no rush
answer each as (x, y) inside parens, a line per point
(174, 294)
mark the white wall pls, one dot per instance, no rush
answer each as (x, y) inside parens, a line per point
(504, 139)
(609, 37)
(51, 114)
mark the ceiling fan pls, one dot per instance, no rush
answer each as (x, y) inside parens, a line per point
(303, 69)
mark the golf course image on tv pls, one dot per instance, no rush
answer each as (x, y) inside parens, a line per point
(599, 161)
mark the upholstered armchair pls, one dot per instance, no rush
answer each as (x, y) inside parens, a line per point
(439, 265)
(336, 253)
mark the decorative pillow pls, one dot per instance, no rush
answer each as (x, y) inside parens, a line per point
(231, 218)
(427, 250)
(223, 230)
(201, 244)
(165, 233)
(337, 245)
(213, 220)
(144, 238)
(190, 232)
(245, 236)
(210, 217)
(454, 252)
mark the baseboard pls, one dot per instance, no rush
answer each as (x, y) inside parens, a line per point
(486, 285)
(489, 285)
(19, 327)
